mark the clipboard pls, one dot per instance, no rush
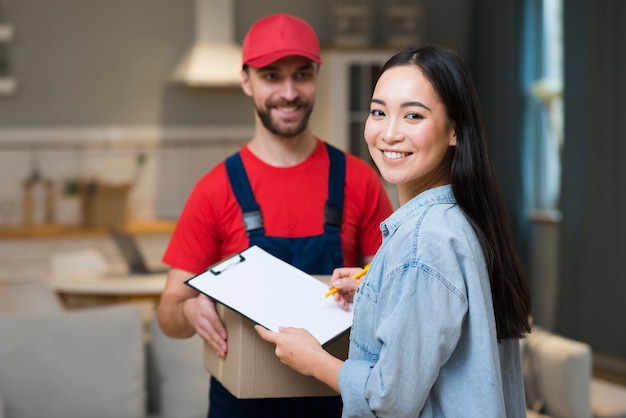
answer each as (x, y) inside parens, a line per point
(273, 293)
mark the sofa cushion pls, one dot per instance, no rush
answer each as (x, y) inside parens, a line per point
(608, 399)
(83, 363)
(182, 383)
(557, 375)
(532, 414)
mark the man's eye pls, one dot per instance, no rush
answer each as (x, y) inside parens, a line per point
(305, 75)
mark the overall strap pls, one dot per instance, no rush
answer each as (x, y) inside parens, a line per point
(239, 182)
(333, 213)
(252, 218)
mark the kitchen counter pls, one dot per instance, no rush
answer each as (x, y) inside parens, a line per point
(139, 226)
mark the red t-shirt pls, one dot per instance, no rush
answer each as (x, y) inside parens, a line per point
(292, 201)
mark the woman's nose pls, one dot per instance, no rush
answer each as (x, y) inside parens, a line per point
(392, 132)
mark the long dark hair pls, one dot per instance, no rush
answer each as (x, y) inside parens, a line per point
(474, 184)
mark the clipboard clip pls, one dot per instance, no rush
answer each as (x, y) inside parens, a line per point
(226, 264)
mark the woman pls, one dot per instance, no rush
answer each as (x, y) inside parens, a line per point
(439, 314)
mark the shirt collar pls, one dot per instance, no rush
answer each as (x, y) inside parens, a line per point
(441, 194)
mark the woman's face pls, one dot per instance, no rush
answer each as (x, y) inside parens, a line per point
(408, 132)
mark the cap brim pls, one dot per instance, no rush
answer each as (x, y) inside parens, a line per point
(267, 59)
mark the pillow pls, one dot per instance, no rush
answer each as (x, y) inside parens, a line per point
(27, 294)
(181, 381)
(74, 364)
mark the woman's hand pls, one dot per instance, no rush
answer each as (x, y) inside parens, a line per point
(342, 280)
(295, 347)
(298, 349)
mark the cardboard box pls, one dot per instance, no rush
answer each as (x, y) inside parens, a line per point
(252, 370)
(104, 205)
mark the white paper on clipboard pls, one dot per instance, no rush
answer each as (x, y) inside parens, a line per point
(273, 293)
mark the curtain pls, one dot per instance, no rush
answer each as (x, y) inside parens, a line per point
(495, 63)
(593, 234)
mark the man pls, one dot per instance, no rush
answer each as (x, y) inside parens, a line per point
(285, 191)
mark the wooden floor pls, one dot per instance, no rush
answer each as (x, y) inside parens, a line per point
(611, 376)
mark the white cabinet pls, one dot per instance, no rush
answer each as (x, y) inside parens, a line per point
(345, 88)
(346, 82)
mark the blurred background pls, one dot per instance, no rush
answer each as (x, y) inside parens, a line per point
(111, 110)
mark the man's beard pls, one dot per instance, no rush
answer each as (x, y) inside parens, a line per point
(268, 123)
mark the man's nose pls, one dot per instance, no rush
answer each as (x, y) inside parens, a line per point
(289, 90)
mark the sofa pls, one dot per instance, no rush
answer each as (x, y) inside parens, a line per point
(559, 382)
(557, 376)
(108, 362)
(100, 362)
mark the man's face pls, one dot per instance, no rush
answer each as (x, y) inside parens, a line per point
(283, 94)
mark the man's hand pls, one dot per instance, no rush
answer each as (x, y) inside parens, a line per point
(182, 312)
(201, 312)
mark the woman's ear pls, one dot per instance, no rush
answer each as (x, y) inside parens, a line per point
(452, 141)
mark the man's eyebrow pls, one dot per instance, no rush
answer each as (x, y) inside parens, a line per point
(405, 104)
(309, 66)
(270, 67)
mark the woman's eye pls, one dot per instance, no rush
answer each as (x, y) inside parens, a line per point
(414, 116)
(376, 112)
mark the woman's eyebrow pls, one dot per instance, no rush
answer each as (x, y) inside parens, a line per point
(415, 104)
(405, 104)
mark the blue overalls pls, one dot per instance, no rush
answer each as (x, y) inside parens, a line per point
(318, 254)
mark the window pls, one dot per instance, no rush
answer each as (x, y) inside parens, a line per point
(543, 81)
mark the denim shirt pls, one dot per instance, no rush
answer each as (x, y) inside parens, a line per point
(423, 342)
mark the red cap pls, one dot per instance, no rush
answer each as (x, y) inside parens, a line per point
(277, 36)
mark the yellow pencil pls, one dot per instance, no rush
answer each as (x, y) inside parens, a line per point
(360, 274)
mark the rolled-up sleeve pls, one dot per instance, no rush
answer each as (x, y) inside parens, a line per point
(351, 372)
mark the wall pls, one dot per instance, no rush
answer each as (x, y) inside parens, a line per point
(161, 164)
(108, 62)
(93, 96)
